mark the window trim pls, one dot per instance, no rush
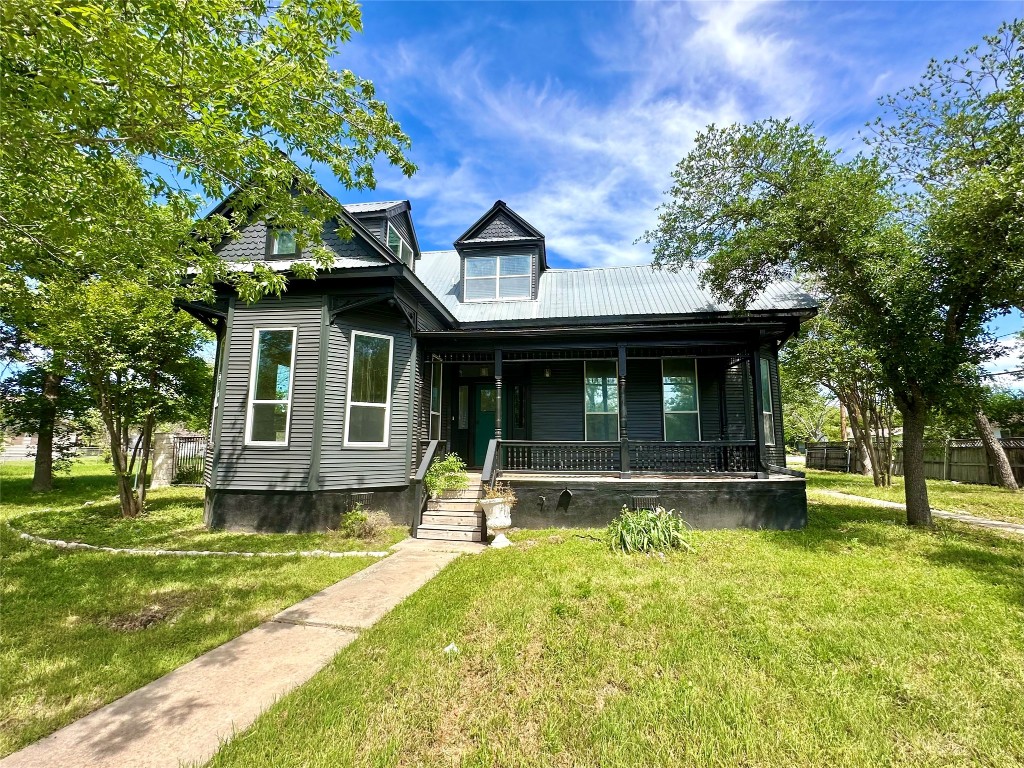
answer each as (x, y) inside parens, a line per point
(618, 405)
(440, 399)
(348, 393)
(696, 385)
(401, 243)
(767, 405)
(497, 278)
(273, 242)
(250, 399)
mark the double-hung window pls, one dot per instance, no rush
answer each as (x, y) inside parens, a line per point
(498, 276)
(679, 399)
(283, 242)
(398, 245)
(368, 409)
(435, 400)
(601, 399)
(270, 386)
(767, 415)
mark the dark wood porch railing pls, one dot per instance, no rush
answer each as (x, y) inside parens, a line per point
(644, 456)
(693, 458)
(433, 449)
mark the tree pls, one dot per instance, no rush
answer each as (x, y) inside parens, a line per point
(914, 248)
(809, 415)
(213, 96)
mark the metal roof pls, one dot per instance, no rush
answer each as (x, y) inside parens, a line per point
(619, 292)
(375, 207)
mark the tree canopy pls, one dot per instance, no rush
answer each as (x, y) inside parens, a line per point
(914, 246)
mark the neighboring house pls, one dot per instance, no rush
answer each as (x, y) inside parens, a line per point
(625, 385)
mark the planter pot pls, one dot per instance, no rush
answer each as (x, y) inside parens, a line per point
(498, 513)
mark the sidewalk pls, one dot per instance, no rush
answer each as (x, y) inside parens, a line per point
(186, 715)
(960, 517)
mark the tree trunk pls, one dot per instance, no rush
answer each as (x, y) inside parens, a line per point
(996, 454)
(918, 511)
(42, 478)
(118, 457)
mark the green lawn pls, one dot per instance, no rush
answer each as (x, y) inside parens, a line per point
(856, 642)
(80, 629)
(980, 500)
(83, 508)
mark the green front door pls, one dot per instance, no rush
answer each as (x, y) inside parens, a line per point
(484, 405)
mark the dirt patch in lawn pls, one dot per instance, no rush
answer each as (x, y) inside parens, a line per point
(165, 607)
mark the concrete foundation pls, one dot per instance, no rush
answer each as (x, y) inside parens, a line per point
(298, 511)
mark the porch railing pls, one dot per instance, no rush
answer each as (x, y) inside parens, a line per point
(643, 456)
(433, 449)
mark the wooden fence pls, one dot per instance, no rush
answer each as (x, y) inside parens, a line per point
(964, 461)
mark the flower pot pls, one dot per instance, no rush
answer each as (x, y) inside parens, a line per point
(498, 513)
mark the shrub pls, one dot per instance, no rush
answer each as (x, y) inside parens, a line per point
(357, 523)
(647, 530)
(447, 474)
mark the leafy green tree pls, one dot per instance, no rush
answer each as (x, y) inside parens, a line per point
(211, 96)
(914, 248)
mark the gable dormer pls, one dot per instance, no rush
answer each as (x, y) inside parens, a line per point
(391, 223)
(501, 257)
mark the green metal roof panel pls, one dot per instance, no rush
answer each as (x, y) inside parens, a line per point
(635, 291)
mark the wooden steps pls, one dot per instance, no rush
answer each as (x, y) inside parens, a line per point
(456, 516)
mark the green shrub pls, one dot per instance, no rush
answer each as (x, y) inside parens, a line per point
(357, 523)
(647, 530)
(447, 474)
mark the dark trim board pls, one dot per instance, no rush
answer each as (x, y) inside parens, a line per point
(775, 503)
(299, 511)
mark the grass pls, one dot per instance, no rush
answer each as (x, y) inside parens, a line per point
(855, 642)
(980, 500)
(83, 508)
(80, 629)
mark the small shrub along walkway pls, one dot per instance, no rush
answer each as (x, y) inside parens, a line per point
(855, 642)
(82, 628)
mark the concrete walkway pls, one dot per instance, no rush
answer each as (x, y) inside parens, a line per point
(960, 517)
(185, 716)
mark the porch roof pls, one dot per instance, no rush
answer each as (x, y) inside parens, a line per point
(620, 292)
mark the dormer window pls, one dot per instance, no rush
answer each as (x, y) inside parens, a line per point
(498, 277)
(398, 245)
(283, 242)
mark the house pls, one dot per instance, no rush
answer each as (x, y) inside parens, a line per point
(584, 389)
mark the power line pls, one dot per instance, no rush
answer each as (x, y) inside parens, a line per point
(1001, 373)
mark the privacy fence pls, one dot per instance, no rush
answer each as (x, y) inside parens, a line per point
(964, 461)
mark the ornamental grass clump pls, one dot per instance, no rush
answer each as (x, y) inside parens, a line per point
(647, 530)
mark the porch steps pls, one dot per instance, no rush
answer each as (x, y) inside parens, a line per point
(456, 516)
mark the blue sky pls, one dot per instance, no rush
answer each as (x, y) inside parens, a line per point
(574, 113)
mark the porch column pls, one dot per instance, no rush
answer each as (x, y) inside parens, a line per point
(624, 468)
(755, 371)
(497, 394)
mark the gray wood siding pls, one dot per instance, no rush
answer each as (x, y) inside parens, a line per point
(644, 401)
(557, 402)
(342, 467)
(738, 401)
(777, 452)
(710, 373)
(245, 467)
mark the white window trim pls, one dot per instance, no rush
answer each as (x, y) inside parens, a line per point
(618, 405)
(496, 278)
(273, 242)
(252, 389)
(440, 398)
(348, 395)
(696, 384)
(767, 406)
(401, 241)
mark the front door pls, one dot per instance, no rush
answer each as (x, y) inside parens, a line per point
(485, 401)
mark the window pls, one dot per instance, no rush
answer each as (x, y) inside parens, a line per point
(679, 399)
(435, 401)
(270, 386)
(368, 411)
(283, 242)
(464, 407)
(398, 245)
(498, 277)
(767, 416)
(601, 392)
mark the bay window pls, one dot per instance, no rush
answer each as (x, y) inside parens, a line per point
(270, 386)
(601, 399)
(767, 414)
(368, 405)
(679, 399)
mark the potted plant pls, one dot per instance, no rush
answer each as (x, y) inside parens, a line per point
(447, 474)
(497, 502)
